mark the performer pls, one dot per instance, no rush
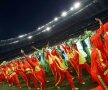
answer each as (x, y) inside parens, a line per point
(99, 65)
(78, 62)
(87, 44)
(13, 77)
(63, 54)
(2, 77)
(62, 69)
(52, 65)
(5, 72)
(80, 47)
(97, 42)
(42, 58)
(99, 69)
(103, 27)
(106, 42)
(38, 71)
(20, 72)
(29, 73)
(34, 59)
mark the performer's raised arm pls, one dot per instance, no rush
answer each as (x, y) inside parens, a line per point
(27, 58)
(101, 24)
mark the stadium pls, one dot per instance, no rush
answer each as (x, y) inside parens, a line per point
(69, 52)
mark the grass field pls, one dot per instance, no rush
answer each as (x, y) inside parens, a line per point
(50, 86)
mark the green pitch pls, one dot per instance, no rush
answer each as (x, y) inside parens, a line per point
(51, 86)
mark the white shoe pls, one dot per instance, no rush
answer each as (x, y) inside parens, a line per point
(29, 88)
(47, 81)
(19, 87)
(75, 89)
(9, 85)
(83, 83)
(58, 87)
(38, 88)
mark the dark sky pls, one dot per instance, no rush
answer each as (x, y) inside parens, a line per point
(22, 16)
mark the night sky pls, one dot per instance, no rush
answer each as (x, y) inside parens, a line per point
(18, 17)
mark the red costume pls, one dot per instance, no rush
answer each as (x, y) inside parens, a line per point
(20, 72)
(79, 63)
(38, 71)
(62, 70)
(52, 65)
(29, 73)
(104, 28)
(13, 77)
(2, 77)
(99, 68)
(106, 42)
(97, 42)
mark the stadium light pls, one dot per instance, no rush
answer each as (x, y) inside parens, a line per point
(55, 19)
(71, 8)
(15, 41)
(77, 5)
(29, 37)
(43, 30)
(42, 27)
(48, 28)
(39, 28)
(50, 22)
(21, 36)
(64, 14)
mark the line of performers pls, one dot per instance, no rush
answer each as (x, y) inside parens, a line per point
(89, 48)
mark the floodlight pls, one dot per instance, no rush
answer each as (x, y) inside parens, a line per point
(77, 5)
(48, 28)
(55, 19)
(64, 14)
(71, 8)
(29, 37)
(21, 36)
